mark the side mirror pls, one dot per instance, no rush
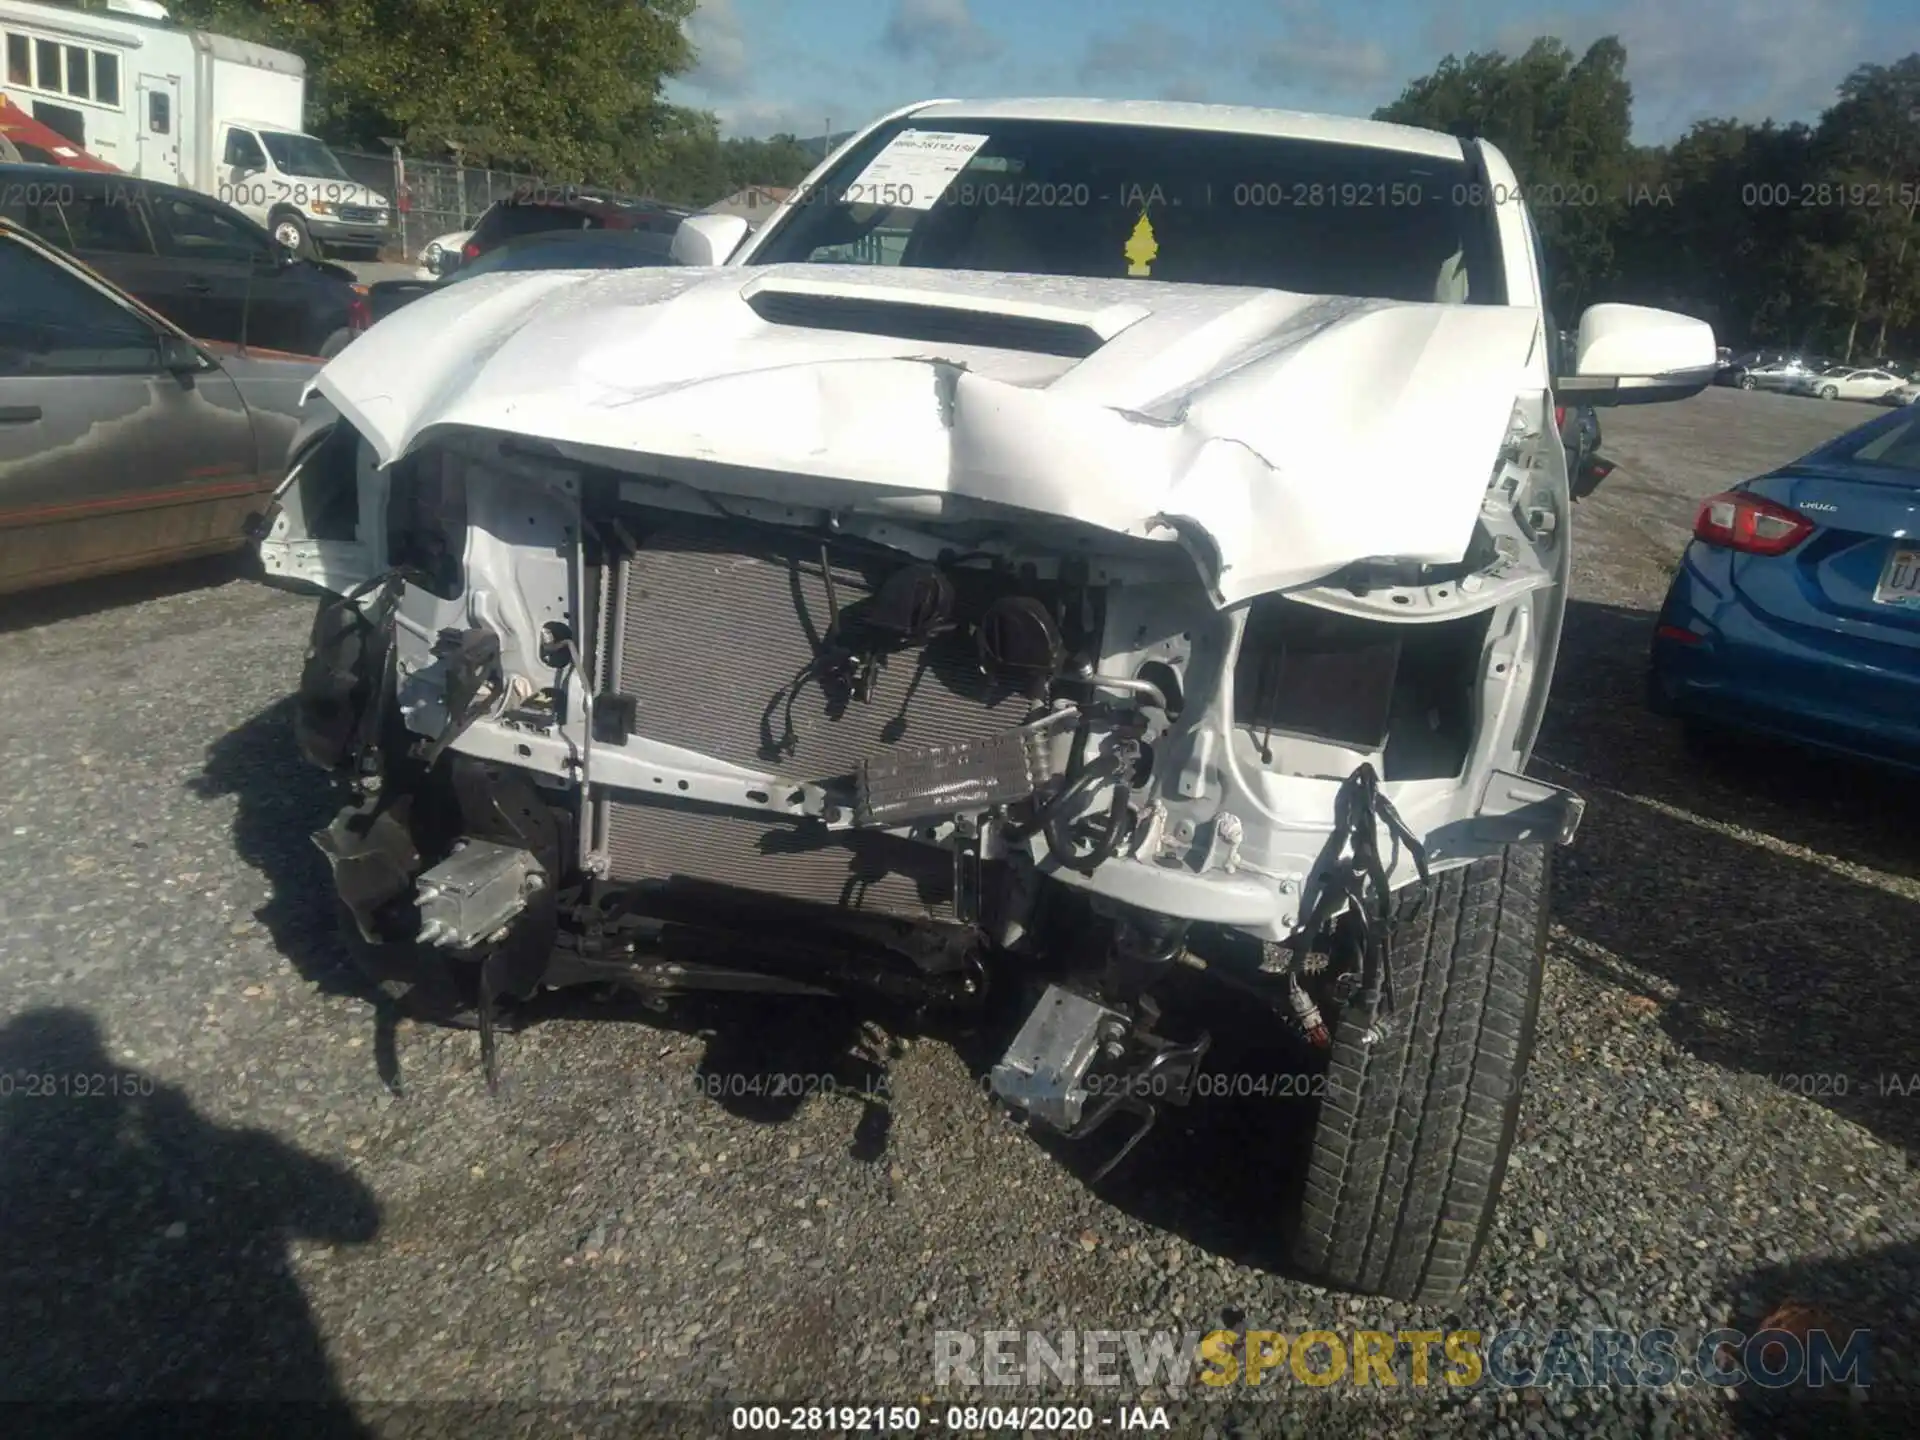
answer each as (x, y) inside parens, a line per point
(180, 356)
(1633, 355)
(708, 239)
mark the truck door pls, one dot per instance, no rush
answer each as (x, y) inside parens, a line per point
(243, 174)
(159, 124)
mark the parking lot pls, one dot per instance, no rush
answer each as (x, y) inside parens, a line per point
(276, 1190)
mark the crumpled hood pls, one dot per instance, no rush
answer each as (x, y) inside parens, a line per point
(1280, 435)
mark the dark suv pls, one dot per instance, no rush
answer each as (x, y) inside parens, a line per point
(533, 209)
(202, 264)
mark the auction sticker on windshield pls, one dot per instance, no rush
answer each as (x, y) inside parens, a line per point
(915, 169)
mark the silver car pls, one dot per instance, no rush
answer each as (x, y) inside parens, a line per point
(124, 442)
(1774, 372)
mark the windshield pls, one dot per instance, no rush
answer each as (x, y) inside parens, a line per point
(1089, 199)
(302, 155)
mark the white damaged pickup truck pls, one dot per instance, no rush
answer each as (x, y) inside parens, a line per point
(1070, 543)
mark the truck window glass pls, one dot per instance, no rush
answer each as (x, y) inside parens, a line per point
(79, 73)
(244, 151)
(1201, 207)
(46, 65)
(19, 61)
(106, 78)
(57, 324)
(159, 112)
(302, 155)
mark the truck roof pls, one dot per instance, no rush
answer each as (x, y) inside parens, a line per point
(245, 52)
(1185, 115)
(126, 27)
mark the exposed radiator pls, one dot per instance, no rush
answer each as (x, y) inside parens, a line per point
(866, 871)
(716, 636)
(708, 629)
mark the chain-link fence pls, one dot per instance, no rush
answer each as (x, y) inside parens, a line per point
(431, 197)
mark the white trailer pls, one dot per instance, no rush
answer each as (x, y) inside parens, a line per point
(187, 107)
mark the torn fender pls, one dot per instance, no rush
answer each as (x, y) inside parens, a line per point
(1280, 436)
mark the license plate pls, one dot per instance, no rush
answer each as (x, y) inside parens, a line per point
(1900, 581)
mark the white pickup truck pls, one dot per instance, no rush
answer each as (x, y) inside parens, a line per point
(1069, 543)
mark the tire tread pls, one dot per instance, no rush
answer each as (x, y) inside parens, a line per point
(1412, 1140)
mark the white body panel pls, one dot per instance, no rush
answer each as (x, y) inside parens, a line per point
(1259, 439)
(1279, 431)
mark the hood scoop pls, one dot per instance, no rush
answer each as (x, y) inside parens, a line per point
(921, 321)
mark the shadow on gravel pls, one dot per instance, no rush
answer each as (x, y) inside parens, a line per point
(1222, 1174)
(764, 1060)
(1226, 1172)
(280, 801)
(143, 1247)
(1875, 1291)
(1785, 966)
(110, 592)
(767, 1057)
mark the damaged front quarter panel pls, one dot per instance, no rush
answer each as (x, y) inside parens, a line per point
(1389, 408)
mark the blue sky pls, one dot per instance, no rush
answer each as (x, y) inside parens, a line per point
(771, 65)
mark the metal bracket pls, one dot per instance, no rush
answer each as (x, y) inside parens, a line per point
(966, 870)
(1513, 810)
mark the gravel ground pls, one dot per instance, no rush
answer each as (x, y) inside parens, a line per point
(270, 1190)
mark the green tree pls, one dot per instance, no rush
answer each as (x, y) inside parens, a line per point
(1564, 126)
(1869, 145)
(1731, 248)
(569, 88)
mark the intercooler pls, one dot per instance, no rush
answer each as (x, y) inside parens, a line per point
(713, 634)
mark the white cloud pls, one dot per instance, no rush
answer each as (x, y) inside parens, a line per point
(1329, 64)
(1747, 58)
(941, 31)
(721, 65)
(757, 119)
(1144, 50)
(1316, 57)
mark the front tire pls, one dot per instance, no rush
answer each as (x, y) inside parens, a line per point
(290, 230)
(1411, 1145)
(1828, 392)
(1746, 382)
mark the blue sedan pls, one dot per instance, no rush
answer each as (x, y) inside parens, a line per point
(1796, 609)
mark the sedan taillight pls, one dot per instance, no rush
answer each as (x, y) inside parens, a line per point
(1747, 523)
(359, 310)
